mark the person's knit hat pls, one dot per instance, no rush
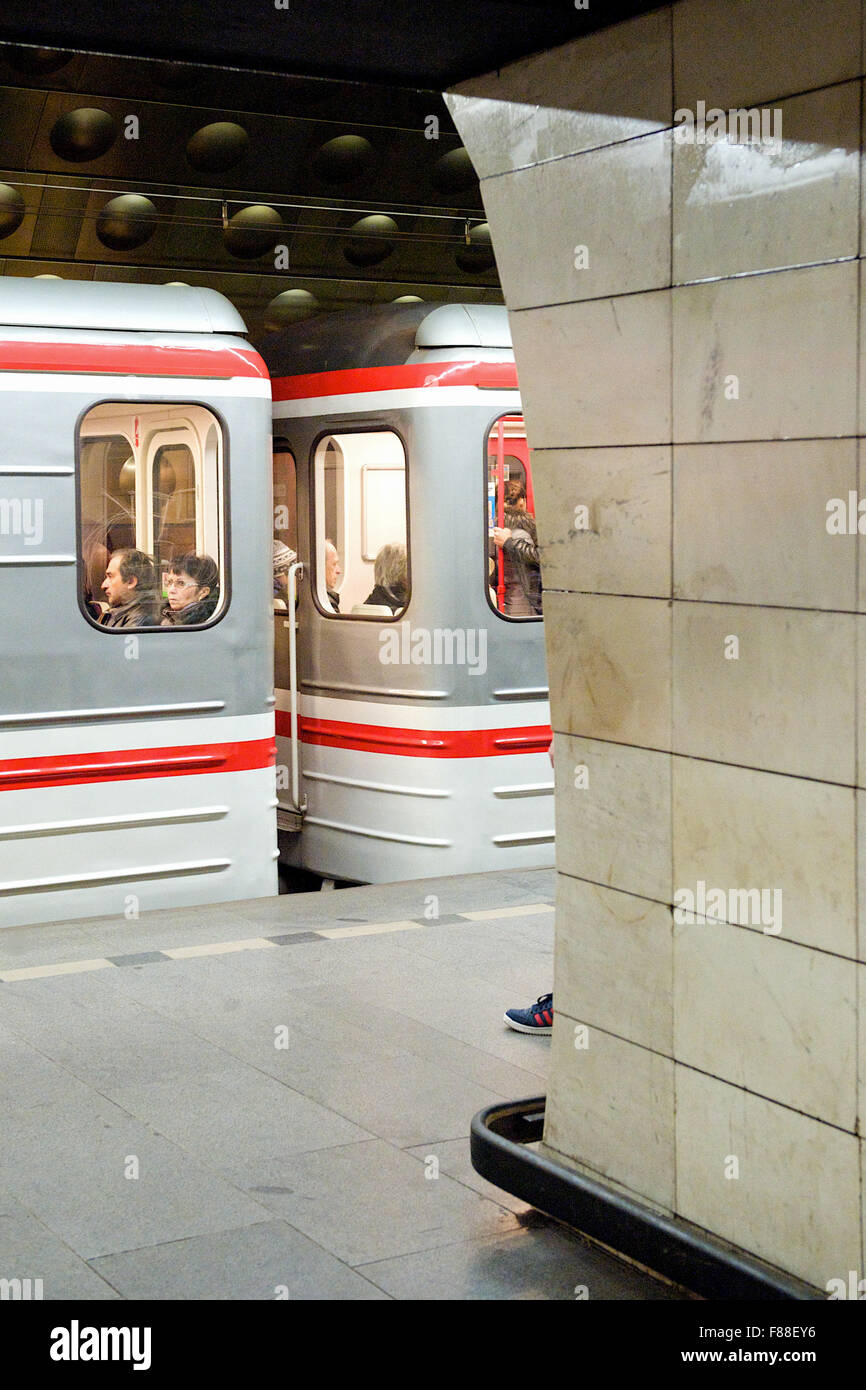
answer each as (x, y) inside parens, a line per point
(283, 557)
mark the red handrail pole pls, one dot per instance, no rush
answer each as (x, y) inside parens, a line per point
(500, 512)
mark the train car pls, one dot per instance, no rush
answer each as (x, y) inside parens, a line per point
(136, 762)
(412, 707)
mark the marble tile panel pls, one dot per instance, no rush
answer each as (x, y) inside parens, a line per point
(613, 815)
(785, 703)
(610, 1107)
(758, 205)
(596, 373)
(796, 1199)
(733, 826)
(769, 356)
(860, 640)
(852, 519)
(609, 667)
(730, 52)
(621, 544)
(776, 1018)
(590, 225)
(613, 967)
(611, 85)
(750, 523)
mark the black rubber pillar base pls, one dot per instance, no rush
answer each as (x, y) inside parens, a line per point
(674, 1248)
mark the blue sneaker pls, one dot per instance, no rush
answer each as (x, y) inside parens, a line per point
(538, 1018)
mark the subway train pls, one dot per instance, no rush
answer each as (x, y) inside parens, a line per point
(412, 739)
(138, 763)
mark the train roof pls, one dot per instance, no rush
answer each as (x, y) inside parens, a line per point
(34, 303)
(383, 335)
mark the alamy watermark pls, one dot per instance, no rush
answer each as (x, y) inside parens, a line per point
(403, 645)
(740, 125)
(746, 907)
(20, 1290)
(22, 516)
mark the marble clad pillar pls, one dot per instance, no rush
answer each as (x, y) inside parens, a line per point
(686, 320)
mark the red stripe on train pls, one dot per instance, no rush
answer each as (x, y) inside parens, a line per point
(131, 359)
(407, 377)
(418, 743)
(72, 769)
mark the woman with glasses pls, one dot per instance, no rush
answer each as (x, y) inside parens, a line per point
(193, 590)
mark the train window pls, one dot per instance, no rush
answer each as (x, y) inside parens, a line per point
(513, 570)
(361, 540)
(152, 532)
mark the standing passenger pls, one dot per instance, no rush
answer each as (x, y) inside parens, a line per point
(518, 541)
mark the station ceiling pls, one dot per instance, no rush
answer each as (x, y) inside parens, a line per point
(297, 158)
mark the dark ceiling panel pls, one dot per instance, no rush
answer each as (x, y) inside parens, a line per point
(414, 43)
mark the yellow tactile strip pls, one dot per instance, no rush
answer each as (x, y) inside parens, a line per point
(257, 943)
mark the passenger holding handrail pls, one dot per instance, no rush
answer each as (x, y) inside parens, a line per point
(518, 541)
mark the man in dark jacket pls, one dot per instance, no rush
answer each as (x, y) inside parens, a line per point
(131, 590)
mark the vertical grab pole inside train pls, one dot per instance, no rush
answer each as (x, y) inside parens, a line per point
(500, 513)
(296, 571)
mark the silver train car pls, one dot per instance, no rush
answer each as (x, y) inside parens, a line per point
(136, 762)
(412, 714)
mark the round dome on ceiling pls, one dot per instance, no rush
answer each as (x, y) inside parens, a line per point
(126, 222)
(253, 231)
(291, 307)
(454, 172)
(83, 134)
(343, 159)
(408, 299)
(478, 255)
(370, 241)
(12, 209)
(217, 147)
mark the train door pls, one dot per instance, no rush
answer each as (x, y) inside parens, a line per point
(288, 573)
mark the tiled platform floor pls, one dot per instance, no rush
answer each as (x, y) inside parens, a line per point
(263, 1117)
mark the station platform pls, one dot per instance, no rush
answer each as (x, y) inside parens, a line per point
(272, 1099)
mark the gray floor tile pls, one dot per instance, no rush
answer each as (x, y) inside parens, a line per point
(28, 1250)
(406, 1101)
(370, 1202)
(267, 1261)
(236, 1120)
(532, 1264)
(454, 1160)
(67, 1166)
(108, 1042)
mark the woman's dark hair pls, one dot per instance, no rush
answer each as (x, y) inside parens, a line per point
(514, 491)
(201, 568)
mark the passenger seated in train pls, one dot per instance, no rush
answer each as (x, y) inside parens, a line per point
(284, 558)
(391, 573)
(193, 587)
(131, 589)
(518, 541)
(332, 574)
